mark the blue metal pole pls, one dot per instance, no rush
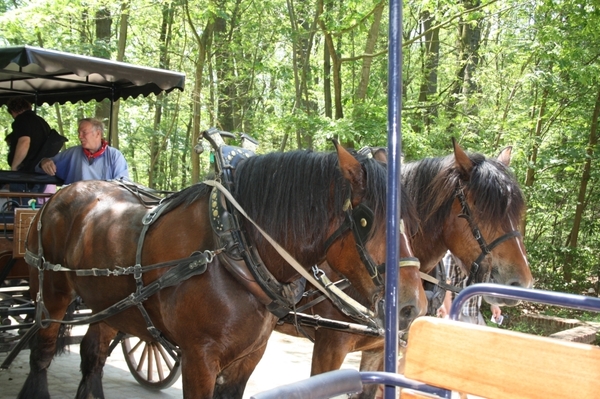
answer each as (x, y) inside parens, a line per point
(393, 194)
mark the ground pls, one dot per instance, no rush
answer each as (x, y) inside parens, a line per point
(287, 359)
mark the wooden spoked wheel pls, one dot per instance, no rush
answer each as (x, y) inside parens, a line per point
(150, 364)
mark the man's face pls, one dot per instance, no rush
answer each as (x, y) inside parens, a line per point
(89, 137)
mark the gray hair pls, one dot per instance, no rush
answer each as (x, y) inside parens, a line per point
(96, 124)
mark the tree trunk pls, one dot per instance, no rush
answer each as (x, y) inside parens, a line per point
(158, 169)
(373, 35)
(224, 68)
(336, 64)
(204, 43)
(114, 118)
(327, 81)
(585, 177)
(430, 68)
(103, 24)
(469, 36)
(535, 138)
(303, 34)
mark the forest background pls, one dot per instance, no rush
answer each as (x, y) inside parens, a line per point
(294, 73)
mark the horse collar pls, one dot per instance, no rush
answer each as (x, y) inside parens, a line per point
(239, 257)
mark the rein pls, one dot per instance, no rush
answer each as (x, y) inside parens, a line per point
(476, 269)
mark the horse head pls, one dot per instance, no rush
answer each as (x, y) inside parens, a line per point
(367, 176)
(472, 206)
(487, 212)
(325, 207)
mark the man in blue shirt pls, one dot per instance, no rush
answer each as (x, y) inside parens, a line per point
(94, 159)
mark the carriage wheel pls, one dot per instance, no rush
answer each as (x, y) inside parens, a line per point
(150, 364)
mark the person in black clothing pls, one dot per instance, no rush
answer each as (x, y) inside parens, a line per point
(28, 135)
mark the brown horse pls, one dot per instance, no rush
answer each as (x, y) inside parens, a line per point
(219, 328)
(492, 207)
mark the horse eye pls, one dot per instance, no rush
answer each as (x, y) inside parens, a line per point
(363, 222)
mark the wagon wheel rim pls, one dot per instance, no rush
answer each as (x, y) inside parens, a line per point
(150, 364)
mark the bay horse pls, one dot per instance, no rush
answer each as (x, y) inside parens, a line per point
(458, 198)
(90, 233)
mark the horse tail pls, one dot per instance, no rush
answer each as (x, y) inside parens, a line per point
(64, 331)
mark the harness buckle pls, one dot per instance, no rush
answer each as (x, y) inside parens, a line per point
(318, 273)
(149, 218)
(137, 272)
(54, 268)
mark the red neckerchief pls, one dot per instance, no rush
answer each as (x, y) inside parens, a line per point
(96, 154)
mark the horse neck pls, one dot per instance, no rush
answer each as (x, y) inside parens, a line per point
(429, 249)
(428, 244)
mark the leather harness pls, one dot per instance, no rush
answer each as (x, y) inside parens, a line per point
(234, 252)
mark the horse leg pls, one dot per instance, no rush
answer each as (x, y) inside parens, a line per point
(371, 360)
(43, 347)
(198, 372)
(330, 350)
(231, 381)
(94, 351)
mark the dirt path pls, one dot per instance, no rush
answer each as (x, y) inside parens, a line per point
(287, 359)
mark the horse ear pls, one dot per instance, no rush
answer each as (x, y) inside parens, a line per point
(462, 161)
(353, 172)
(505, 155)
(380, 154)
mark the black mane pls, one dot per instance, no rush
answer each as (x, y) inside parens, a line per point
(492, 191)
(295, 196)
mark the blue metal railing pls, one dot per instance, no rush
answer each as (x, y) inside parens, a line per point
(527, 294)
(341, 382)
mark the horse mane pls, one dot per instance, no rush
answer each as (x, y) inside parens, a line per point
(295, 195)
(492, 190)
(187, 196)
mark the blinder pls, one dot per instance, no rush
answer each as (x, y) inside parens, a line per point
(359, 220)
(363, 218)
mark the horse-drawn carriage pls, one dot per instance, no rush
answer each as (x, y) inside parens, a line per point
(164, 269)
(52, 77)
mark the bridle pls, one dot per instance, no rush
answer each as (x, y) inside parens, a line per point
(360, 221)
(476, 272)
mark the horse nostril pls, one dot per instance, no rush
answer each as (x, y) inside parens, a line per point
(381, 309)
(406, 315)
(408, 312)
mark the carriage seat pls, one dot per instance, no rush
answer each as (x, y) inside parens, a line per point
(497, 363)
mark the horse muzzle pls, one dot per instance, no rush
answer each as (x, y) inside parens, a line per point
(407, 313)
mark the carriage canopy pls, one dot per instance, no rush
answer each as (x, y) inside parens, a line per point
(48, 76)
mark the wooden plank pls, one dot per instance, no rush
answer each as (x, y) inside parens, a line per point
(23, 218)
(411, 394)
(494, 363)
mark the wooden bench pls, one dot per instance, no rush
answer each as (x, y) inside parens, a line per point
(495, 363)
(473, 360)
